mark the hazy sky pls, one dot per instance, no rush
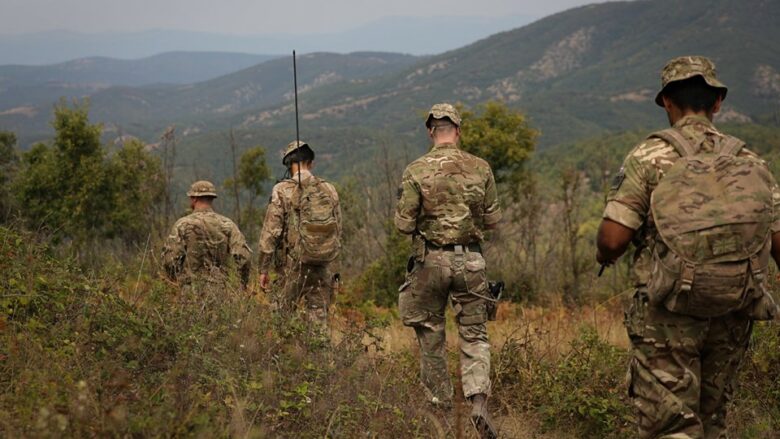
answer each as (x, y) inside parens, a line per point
(247, 16)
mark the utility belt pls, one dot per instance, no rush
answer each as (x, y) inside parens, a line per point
(421, 246)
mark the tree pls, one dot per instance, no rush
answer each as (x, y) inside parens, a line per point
(75, 190)
(139, 191)
(251, 177)
(502, 137)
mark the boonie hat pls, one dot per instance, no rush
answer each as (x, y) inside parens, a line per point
(202, 188)
(441, 111)
(686, 67)
(294, 146)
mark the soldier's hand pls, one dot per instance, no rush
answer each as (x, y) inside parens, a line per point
(265, 281)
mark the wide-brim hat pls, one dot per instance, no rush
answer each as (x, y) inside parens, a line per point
(686, 67)
(294, 146)
(443, 111)
(202, 188)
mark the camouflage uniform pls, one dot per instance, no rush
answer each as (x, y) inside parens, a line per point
(312, 284)
(683, 368)
(447, 197)
(201, 245)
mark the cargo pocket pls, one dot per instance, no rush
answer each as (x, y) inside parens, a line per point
(658, 408)
(474, 273)
(409, 307)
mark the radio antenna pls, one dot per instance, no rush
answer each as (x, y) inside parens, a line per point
(297, 129)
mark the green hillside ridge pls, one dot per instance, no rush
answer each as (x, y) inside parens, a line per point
(144, 111)
(578, 75)
(579, 72)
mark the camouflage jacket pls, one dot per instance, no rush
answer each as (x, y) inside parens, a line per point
(448, 196)
(279, 237)
(628, 202)
(201, 245)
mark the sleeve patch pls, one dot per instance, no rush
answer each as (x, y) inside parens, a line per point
(619, 177)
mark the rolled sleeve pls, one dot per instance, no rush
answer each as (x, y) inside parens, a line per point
(629, 198)
(404, 225)
(408, 206)
(270, 235)
(622, 214)
(492, 214)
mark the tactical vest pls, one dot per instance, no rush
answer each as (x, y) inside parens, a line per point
(713, 211)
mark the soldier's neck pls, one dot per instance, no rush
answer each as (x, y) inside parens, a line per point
(303, 172)
(676, 115)
(201, 206)
(438, 145)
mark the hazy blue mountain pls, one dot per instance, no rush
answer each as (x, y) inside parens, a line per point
(168, 68)
(144, 110)
(392, 34)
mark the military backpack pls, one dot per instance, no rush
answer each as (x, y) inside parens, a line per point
(712, 211)
(318, 228)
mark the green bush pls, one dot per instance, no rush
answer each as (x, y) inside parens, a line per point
(82, 357)
(581, 391)
(756, 409)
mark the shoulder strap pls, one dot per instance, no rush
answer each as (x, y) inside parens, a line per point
(731, 145)
(682, 145)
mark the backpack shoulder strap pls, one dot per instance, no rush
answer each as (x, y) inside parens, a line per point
(731, 145)
(682, 145)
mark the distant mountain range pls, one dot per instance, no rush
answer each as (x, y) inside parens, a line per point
(26, 108)
(164, 68)
(576, 74)
(392, 34)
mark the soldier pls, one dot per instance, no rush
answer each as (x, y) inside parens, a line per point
(302, 228)
(446, 200)
(702, 211)
(202, 244)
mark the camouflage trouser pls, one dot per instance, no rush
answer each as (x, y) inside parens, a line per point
(310, 286)
(683, 370)
(422, 302)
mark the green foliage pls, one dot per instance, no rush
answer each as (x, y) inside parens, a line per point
(582, 392)
(501, 136)
(380, 280)
(137, 185)
(8, 165)
(95, 358)
(34, 287)
(253, 171)
(75, 190)
(252, 176)
(756, 411)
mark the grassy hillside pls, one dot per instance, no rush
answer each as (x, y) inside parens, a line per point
(584, 70)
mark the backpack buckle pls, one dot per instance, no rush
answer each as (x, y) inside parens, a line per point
(688, 271)
(755, 268)
(459, 254)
